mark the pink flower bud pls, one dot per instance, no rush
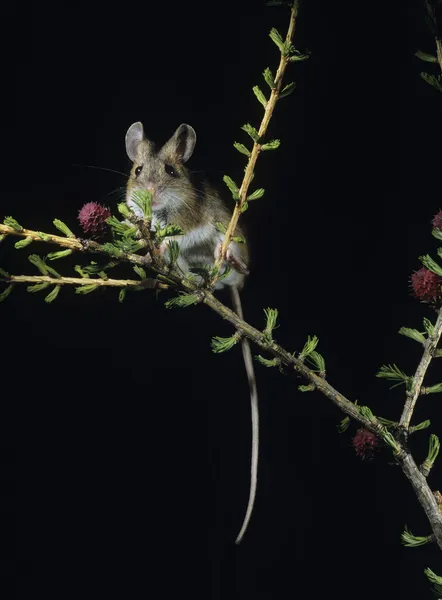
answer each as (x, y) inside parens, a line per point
(426, 284)
(365, 443)
(437, 220)
(92, 217)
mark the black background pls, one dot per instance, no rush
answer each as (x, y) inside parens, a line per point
(125, 441)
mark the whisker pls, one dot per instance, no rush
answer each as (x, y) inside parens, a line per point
(168, 196)
(202, 193)
(102, 169)
(119, 190)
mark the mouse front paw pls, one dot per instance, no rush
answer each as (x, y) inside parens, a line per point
(233, 257)
(163, 248)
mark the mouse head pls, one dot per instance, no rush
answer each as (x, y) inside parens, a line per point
(161, 172)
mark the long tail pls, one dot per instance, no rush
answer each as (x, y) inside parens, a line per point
(248, 361)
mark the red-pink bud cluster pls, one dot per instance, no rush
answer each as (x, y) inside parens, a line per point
(92, 217)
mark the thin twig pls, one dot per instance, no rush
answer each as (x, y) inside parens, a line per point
(76, 244)
(248, 175)
(413, 394)
(432, 14)
(123, 283)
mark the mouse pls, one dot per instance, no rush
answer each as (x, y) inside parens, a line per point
(179, 198)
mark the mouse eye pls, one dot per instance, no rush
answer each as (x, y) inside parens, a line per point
(138, 170)
(170, 170)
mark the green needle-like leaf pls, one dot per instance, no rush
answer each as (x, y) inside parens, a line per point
(393, 373)
(174, 251)
(253, 133)
(169, 231)
(182, 301)
(367, 413)
(317, 361)
(344, 425)
(140, 272)
(414, 334)
(271, 145)
(275, 36)
(271, 316)
(434, 389)
(204, 272)
(23, 243)
(52, 272)
(86, 289)
(410, 540)
(389, 439)
(52, 295)
(59, 254)
(388, 422)
(429, 327)
(434, 80)
(306, 388)
(297, 56)
(124, 210)
(289, 89)
(241, 148)
(221, 344)
(425, 56)
(437, 233)
(122, 295)
(6, 292)
(91, 269)
(269, 79)
(112, 250)
(232, 186)
(4, 273)
(268, 362)
(118, 226)
(37, 287)
(430, 264)
(143, 199)
(39, 263)
(436, 580)
(260, 95)
(63, 228)
(309, 346)
(420, 426)
(433, 449)
(11, 222)
(258, 193)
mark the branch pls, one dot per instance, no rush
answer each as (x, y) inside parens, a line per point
(123, 283)
(257, 145)
(76, 244)
(402, 455)
(413, 394)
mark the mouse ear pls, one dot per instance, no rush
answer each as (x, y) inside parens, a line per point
(134, 135)
(182, 143)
